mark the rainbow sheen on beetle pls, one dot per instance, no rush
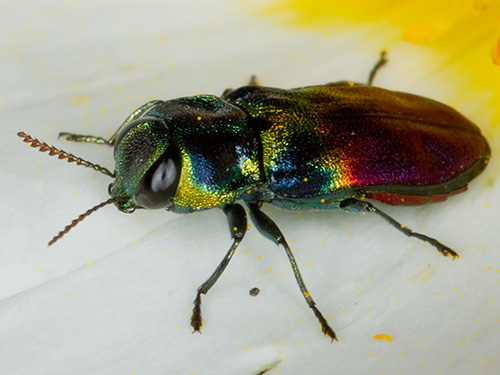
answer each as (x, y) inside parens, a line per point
(333, 146)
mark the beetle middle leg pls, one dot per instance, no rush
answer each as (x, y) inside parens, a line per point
(237, 220)
(270, 230)
(355, 205)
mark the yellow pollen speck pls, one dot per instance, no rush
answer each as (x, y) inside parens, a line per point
(382, 336)
(306, 294)
(488, 268)
(270, 269)
(235, 229)
(308, 264)
(402, 352)
(341, 311)
(370, 354)
(478, 320)
(322, 200)
(139, 218)
(396, 298)
(198, 118)
(103, 110)
(291, 327)
(259, 256)
(246, 346)
(437, 293)
(305, 179)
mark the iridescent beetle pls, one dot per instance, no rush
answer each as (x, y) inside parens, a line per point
(310, 148)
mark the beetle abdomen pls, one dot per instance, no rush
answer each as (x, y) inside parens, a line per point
(368, 141)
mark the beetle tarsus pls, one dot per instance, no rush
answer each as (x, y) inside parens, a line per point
(196, 319)
(325, 327)
(355, 205)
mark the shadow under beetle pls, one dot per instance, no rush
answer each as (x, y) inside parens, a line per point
(312, 148)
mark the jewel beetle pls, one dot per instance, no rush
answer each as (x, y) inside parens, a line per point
(341, 145)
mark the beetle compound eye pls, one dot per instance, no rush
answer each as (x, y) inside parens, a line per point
(158, 186)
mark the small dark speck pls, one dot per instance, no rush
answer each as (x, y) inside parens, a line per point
(254, 292)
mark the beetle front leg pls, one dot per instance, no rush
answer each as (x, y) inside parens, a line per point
(355, 205)
(84, 138)
(270, 230)
(237, 220)
(137, 114)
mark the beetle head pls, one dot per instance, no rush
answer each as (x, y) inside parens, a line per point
(147, 166)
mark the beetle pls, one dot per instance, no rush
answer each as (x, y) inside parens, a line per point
(334, 146)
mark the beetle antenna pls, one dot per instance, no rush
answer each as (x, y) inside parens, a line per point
(79, 219)
(61, 154)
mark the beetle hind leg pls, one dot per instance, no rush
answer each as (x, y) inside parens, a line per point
(237, 220)
(355, 205)
(270, 230)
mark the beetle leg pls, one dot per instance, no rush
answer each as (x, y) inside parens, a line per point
(138, 113)
(254, 81)
(355, 205)
(237, 220)
(380, 63)
(84, 138)
(270, 230)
